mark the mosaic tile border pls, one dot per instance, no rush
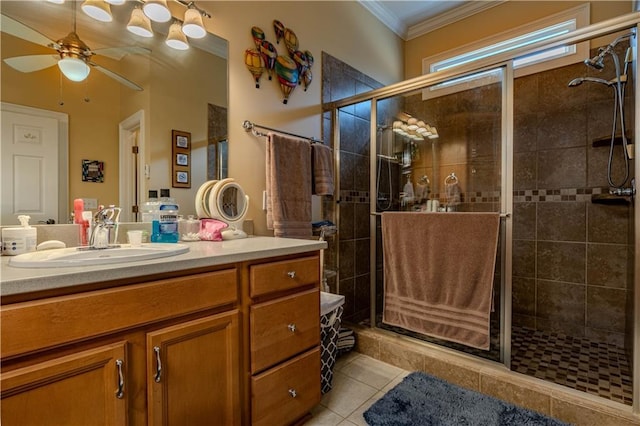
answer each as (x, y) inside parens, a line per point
(520, 196)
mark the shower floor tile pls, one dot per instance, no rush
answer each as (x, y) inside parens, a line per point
(597, 368)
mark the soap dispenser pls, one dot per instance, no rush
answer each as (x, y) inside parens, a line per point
(19, 240)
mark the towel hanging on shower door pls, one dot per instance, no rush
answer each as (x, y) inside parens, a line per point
(438, 273)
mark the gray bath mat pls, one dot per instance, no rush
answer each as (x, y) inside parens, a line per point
(424, 400)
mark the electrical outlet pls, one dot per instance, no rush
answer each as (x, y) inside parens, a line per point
(90, 203)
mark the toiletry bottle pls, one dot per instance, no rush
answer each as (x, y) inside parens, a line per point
(78, 209)
(19, 240)
(165, 224)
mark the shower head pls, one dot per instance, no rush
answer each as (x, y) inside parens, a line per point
(578, 81)
(597, 62)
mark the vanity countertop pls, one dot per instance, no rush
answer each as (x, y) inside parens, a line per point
(201, 254)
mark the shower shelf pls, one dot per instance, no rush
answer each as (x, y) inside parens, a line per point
(606, 141)
(609, 199)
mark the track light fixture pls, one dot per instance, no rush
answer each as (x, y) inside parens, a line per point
(192, 24)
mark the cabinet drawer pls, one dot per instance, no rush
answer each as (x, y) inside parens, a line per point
(45, 323)
(287, 392)
(283, 327)
(284, 275)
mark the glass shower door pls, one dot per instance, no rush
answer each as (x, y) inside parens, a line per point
(440, 149)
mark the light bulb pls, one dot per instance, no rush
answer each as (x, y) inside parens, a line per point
(176, 38)
(140, 24)
(73, 68)
(193, 25)
(98, 10)
(157, 10)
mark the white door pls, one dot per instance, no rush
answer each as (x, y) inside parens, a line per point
(29, 159)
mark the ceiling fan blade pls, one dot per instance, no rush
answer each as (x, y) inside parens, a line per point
(130, 84)
(118, 53)
(20, 30)
(32, 63)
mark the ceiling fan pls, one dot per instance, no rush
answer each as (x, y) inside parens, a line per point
(73, 55)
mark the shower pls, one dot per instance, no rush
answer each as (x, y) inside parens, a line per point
(384, 202)
(618, 84)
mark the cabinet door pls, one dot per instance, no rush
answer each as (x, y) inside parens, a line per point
(193, 372)
(86, 388)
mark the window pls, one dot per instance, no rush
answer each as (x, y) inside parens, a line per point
(529, 63)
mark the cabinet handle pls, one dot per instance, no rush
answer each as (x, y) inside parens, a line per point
(291, 274)
(292, 328)
(120, 390)
(293, 393)
(158, 375)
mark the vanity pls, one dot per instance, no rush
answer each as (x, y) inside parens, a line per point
(227, 333)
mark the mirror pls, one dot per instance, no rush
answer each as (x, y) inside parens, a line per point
(183, 90)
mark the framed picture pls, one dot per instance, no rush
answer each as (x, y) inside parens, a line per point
(182, 177)
(182, 159)
(181, 151)
(92, 171)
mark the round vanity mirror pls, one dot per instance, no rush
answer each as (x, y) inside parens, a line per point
(229, 203)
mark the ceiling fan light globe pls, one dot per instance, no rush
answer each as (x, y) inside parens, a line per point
(115, 2)
(74, 69)
(98, 10)
(176, 38)
(157, 10)
(193, 26)
(139, 24)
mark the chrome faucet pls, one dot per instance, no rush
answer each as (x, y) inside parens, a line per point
(105, 222)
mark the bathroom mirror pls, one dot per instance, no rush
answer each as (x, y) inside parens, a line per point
(170, 78)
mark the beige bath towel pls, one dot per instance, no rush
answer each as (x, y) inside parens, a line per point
(322, 163)
(438, 270)
(288, 186)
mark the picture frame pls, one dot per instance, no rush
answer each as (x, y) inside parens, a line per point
(92, 171)
(181, 164)
(182, 177)
(182, 159)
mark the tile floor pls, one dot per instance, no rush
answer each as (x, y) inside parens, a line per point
(358, 382)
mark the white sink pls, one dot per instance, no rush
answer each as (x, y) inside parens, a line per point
(69, 257)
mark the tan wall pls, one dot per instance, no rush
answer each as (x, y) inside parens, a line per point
(504, 17)
(343, 29)
(91, 126)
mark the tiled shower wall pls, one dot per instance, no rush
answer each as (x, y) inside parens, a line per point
(572, 260)
(341, 81)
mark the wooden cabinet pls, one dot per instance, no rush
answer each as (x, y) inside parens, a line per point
(284, 328)
(57, 368)
(227, 345)
(86, 388)
(192, 372)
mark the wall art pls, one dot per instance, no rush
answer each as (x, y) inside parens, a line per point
(92, 171)
(181, 163)
(291, 69)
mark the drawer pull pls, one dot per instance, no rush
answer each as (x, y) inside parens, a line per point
(293, 393)
(158, 375)
(292, 328)
(120, 390)
(291, 274)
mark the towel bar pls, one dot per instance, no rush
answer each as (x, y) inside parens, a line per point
(502, 215)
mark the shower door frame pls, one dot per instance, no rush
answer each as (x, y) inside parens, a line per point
(506, 197)
(603, 28)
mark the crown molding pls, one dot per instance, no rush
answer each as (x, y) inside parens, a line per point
(407, 33)
(383, 15)
(454, 15)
